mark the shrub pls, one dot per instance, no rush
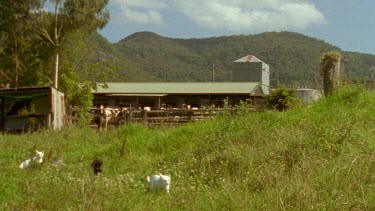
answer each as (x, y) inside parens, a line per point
(282, 98)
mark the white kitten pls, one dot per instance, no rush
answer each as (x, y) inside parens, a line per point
(159, 182)
(37, 159)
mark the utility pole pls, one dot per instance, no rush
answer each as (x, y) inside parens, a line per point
(213, 72)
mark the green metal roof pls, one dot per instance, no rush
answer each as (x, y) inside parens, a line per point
(252, 88)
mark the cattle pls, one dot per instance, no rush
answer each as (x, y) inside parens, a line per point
(104, 116)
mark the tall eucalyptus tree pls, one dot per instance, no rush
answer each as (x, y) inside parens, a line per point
(72, 16)
(75, 70)
(16, 31)
(42, 41)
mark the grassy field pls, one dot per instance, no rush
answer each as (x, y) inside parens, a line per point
(316, 157)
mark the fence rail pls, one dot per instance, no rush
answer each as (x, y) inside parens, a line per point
(167, 117)
(155, 118)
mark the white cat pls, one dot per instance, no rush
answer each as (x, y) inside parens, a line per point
(159, 182)
(37, 159)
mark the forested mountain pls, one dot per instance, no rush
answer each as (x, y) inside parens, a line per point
(293, 57)
(126, 69)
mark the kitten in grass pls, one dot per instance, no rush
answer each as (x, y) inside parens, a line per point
(97, 166)
(159, 183)
(37, 159)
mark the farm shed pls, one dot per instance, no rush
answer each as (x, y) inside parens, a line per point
(177, 94)
(31, 108)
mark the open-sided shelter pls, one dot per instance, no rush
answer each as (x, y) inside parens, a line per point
(177, 94)
(31, 108)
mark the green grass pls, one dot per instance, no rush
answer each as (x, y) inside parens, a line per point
(316, 157)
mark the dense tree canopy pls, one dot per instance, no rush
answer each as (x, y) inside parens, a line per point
(38, 47)
(17, 31)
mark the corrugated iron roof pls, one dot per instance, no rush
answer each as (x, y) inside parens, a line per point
(21, 89)
(249, 58)
(180, 88)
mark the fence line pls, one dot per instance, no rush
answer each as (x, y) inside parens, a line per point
(155, 118)
(166, 117)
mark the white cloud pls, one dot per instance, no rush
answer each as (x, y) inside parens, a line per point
(139, 12)
(150, 4)
(140, 17)
(224, 15)
(244, 15)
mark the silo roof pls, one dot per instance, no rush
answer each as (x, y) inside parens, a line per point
(249, 58)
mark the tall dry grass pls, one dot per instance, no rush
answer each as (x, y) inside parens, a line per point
(316, 157)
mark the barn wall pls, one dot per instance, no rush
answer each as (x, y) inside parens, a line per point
(266, 78)
(247, 71)
(252, 72)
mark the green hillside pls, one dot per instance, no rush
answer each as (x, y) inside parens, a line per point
(164, 58)
(127, 70)
(293, 57)
(319, 157)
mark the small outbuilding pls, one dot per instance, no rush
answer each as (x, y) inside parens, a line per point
(31, 108)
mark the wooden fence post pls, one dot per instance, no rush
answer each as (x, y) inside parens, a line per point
(144, 116)
(130, 117)
(190, 114)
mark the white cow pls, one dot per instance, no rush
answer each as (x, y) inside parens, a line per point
(104, 116)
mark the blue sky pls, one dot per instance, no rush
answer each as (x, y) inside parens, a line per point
(347, 24)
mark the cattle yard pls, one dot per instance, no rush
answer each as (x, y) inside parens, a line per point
(154, 118)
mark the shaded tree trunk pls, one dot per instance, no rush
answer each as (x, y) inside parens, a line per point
(330, 71)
